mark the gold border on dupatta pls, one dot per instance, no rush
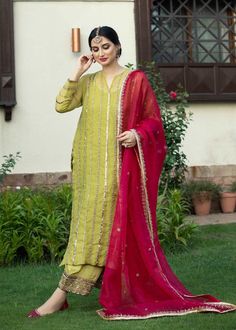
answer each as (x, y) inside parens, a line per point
(120, 125)
(145, 199)
(101, 313)
(140, 159)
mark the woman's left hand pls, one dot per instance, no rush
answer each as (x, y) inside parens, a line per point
(127, 139)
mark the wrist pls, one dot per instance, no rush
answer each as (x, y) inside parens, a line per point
(76, 76)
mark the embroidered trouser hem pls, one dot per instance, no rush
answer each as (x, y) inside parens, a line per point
(75, 284)
(83, 281)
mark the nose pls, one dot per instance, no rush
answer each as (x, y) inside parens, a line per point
(101, 53)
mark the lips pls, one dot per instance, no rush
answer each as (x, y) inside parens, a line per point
(104, 59)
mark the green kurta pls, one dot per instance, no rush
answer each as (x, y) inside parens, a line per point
(94, 175)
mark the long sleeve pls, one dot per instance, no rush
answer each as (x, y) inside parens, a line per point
(71, 95)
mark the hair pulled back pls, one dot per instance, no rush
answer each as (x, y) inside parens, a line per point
(106, 32)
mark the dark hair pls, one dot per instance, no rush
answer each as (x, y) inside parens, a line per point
(107, 32)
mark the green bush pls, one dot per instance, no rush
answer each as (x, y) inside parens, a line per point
(174, 229)
(233, 186)
(34, 225)
(8, 164)
(175, 121)
(198, 189)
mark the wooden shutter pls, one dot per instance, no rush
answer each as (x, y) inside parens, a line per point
(7, 67)
(204, 82)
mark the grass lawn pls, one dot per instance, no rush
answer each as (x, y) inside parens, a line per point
(208, 267)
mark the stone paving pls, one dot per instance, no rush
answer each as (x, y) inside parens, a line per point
(214, 218)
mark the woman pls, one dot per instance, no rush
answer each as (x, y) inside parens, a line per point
(118, 152)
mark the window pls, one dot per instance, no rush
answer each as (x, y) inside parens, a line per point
(193, 43)
(7, 69)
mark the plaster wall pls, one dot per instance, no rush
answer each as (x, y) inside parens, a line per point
(44, 61)
(211, 137)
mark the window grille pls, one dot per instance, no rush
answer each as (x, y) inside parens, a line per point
(192, 43)
(193, 31)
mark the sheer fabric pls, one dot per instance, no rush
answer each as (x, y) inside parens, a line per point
(138, 282)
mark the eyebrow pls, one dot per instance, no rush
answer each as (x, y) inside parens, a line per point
(107, 43)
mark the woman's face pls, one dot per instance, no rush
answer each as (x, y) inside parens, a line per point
(104, 52)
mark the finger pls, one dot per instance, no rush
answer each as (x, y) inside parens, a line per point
(120, 136)
(85, 58)
(88, 56)
(89, 62)
(123, 139)
(123, 134)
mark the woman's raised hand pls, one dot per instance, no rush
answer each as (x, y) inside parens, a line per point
(83, 64)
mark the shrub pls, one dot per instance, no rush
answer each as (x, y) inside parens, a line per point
(233, 186)
(8, 165)
(174, 229)
(34, 225)
(175, 121)
(194, 189)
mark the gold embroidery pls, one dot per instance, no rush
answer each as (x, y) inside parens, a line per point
(66, 88)
(83, 245)
(105, 177)
(90, 169)
(75, 284)
(144, 188)
(120, 125)
(98, 173)
(169, 313)
(147, 211)
(84, 166)
(113, 191)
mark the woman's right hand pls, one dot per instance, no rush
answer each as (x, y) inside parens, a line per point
(83, 64)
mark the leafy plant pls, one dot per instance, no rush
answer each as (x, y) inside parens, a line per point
(8, 165)
(233, 186)
(173, 227)
(34, 224)
(175, 121)
(201, 189)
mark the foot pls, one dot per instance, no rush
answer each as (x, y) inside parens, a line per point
(56, 302)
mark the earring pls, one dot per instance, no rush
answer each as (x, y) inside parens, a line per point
(118, 53)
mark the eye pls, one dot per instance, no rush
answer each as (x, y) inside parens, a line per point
(95, 49)
(106, 46)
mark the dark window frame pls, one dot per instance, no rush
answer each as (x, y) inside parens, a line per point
(203, 81)
(7, 61)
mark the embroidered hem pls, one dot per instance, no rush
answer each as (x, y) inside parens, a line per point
(201, 309)
(75, 284)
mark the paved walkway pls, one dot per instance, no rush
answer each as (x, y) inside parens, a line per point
(214, 218)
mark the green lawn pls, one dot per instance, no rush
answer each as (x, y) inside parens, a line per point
(208, 267)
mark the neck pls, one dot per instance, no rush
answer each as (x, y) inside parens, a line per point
(111, 69)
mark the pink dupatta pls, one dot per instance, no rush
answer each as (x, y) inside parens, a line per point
(138, 282)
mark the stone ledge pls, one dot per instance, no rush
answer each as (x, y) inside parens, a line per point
(223, 175)
(37, 179)
(220, 174)
(213, 219)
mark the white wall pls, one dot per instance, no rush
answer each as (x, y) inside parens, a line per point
(211, 137)
(43, 62)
